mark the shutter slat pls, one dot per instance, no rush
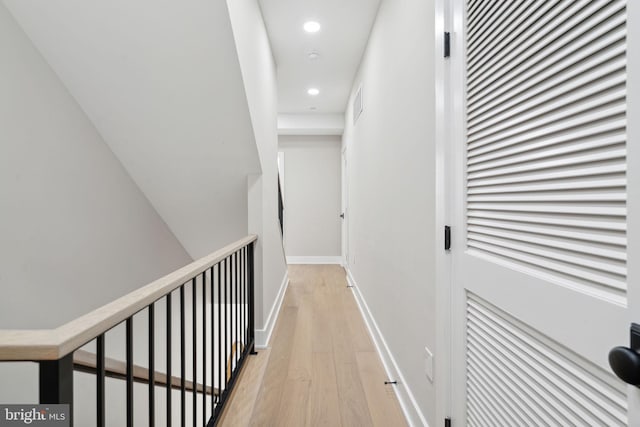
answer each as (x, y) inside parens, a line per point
(610, 33)
(538, 44)
(596, 136)
(507, 98)
(603, 238)
(557, 371)
(612, 211)
(609, 169)
(517, 253)
(480, 44)
(592, 224)
(564, 161)
(598, 104)
(604, 114)
(620, 196)
(537, 104)
(618, 254)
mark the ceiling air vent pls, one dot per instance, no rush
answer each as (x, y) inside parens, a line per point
(357, 105)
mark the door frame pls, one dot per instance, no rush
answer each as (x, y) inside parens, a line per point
(633, 189)
(456, 78)
(444, 180)
(345, 205)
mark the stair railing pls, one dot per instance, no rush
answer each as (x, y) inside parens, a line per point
(218, 320)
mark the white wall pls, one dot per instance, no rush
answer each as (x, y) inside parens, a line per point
(259, 77)
(391, 157)
(162, 84)
(312, 195)
(75, 230)
(310, 124)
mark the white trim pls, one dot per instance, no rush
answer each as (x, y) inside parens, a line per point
(444, 192)
(344, 224)
(408, 403)
(263, 336)
(315, 260)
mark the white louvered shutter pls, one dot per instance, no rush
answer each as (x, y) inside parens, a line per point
(546, 187)
(545, 210)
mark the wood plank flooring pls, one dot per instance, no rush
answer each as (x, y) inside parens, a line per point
(321, 368)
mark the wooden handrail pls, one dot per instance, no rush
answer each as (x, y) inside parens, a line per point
(53, 344)
(84, 361)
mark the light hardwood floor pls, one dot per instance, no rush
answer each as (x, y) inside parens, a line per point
(321, 368)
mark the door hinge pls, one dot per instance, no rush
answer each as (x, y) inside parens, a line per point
(447, 422)
(447, 238)
(447, 44)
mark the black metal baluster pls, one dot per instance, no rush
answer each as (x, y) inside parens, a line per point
(246, 294)
(237, 314)
(226, 319)
(233, 314)
(241, 326)
(129, 362)
(252, 320)
(152, 366)
(204, 347)
(194, 350)
(56, 382)
(232, 321)
(183, 367)
(169, 360)
(220, 361)
(213, 340)
(243, 290)
(100, 382)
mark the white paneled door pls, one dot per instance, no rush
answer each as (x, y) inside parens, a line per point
(543, 273)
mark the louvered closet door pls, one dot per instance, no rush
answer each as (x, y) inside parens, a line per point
(543, 200)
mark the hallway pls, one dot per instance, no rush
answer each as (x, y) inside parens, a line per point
(321, 367)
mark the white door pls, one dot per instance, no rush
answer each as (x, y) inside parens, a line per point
(543, 112)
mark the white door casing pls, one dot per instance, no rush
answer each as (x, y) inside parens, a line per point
(345, 208)
(543, 219)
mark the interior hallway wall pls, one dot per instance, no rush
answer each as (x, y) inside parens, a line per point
(392, 197)
(259, 76)
(75, 230)
(312, 193)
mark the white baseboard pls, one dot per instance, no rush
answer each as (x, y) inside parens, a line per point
(407, 401)
(264, 335)
(315, 260)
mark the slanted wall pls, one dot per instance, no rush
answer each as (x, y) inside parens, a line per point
(75, 230)
(161, 82)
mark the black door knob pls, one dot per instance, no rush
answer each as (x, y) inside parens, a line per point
(625, 362)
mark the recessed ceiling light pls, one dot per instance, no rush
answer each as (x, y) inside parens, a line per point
(313, 108)
(313, 91)
(313, 56)
(311, 27)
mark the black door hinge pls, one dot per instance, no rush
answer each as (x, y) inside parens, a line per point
(447, 44)
(447, 422)
(447, 238)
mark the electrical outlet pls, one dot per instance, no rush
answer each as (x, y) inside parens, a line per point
(428, 364)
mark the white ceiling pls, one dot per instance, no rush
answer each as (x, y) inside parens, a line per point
(346, 25)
